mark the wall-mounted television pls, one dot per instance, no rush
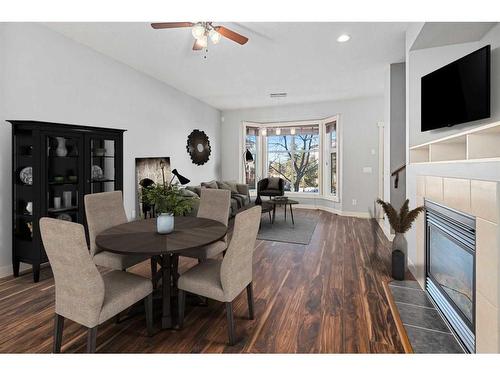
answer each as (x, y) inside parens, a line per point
(458, 92)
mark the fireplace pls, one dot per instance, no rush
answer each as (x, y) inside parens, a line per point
(450, 268)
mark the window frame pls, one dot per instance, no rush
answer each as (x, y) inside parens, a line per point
(262, 160)
(327, 157)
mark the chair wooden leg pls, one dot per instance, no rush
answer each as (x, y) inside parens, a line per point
(154, 272)
(182, 307)
(91, 339)
(230, 322)
(58, 332)
(148, 308)
(250, 301)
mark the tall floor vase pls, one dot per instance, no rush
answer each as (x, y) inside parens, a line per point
(399, 243)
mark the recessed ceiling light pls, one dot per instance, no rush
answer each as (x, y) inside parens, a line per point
(343, 38)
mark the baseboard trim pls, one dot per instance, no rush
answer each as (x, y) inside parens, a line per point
(6, 270)
(362, 215)
(387, 231)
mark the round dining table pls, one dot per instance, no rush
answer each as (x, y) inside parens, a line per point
(139, 237)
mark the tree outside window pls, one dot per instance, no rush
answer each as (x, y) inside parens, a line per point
(295, 158)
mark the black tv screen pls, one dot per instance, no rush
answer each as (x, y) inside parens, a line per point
(458, 92)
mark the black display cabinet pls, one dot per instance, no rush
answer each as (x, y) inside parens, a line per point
(53, 167)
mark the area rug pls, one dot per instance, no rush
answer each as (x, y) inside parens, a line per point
(285, 231)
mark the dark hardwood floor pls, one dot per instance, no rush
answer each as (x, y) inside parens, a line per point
(325, 297)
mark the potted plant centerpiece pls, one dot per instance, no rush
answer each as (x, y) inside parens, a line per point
(168, 202)
(401, 223)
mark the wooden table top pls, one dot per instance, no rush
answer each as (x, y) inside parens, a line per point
(140, 237)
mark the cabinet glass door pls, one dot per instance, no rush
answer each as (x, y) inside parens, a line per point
(102, 165)
(63, 161)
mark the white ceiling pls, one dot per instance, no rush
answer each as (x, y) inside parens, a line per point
(436, 34)
(301, 59)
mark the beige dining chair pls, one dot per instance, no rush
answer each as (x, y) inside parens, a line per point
(82, 293)
(215, 205)
(223, 280)
(103, 211)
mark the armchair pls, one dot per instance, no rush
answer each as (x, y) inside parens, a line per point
(270, 187)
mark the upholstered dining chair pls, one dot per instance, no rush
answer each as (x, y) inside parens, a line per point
(103, 211)
(82, 293)
(223, 280)
(214, 204)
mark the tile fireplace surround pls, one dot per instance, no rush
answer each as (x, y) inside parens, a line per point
(481, 200)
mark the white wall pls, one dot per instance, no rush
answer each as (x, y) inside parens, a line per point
(46, 76)
(358, 118)
(398, 131)
(419, 63)
(394, 136)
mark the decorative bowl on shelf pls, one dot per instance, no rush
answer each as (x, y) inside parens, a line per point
(64, 217)
(26, 175)
(58, 179)
(72, 178)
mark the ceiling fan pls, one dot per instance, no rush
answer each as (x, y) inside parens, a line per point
(202, 31)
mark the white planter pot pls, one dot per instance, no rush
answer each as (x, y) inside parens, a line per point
(399, 243)
(165, 223)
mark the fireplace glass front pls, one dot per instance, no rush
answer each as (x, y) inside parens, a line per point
(450, 263)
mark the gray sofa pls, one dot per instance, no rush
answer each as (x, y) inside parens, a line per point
(240, 194)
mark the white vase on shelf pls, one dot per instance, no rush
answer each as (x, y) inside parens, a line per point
(61, 149)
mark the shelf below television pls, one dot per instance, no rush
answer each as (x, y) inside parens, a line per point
(480, 144)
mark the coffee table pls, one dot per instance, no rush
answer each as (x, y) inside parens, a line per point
(282, 202)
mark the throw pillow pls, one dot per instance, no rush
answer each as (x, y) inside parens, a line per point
(194, 189)
(188, 193)
(233, 185)
(228, 186)
(273, 183)
(223, 186)
(210, 185)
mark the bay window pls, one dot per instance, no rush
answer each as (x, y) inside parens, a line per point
(304, 154)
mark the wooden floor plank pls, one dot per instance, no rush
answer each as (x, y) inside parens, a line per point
(324, 297)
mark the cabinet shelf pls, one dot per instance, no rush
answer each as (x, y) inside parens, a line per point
(481, 144)
(63, 183)
(62, 209)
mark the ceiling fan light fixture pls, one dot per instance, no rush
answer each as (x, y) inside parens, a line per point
(214, 36)
(198, 31)
(202, 41)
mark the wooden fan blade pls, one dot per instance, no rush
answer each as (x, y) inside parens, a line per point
(196, 45)
(171, 25)
(234, 36)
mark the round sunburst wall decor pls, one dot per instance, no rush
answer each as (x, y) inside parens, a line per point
(198, 147)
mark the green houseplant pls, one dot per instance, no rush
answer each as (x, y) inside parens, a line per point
(168, 202)
(401, 223)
